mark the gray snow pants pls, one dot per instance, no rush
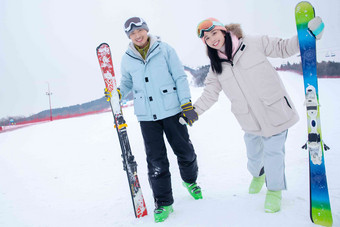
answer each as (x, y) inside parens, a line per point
(267, 153)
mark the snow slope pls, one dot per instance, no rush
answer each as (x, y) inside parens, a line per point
(69, 172)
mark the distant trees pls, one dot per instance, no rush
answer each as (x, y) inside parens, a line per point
(199, 74)
(95, 105)
(7, 120)
(324, 69)
(329, 68)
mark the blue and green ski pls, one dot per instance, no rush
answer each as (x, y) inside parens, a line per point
(320, 208)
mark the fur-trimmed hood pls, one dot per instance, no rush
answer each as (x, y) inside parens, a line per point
(235, 29)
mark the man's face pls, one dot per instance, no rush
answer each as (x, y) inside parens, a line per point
(139, 37)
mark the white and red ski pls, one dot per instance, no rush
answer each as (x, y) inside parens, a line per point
(129, 163)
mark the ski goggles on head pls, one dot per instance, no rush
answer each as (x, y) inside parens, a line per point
(137, 21)
(207, 26)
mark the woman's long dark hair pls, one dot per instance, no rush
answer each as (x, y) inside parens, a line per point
(215, 61)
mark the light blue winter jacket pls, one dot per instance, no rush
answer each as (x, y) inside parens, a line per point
(159, 83)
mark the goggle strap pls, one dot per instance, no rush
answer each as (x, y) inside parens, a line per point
(214, 23)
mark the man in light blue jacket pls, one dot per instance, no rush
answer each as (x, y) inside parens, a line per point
(152, 70)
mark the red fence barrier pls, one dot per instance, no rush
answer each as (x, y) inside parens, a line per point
(41, 120)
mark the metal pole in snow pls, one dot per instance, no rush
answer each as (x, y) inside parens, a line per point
(49, 96)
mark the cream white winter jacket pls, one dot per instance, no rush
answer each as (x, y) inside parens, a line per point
(258, 97)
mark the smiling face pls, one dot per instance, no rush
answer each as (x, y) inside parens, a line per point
(139, 37)
(214, 39)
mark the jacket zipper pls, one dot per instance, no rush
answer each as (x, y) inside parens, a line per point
(250, 109)
(231, 62)
(151, 51)
(144, 61)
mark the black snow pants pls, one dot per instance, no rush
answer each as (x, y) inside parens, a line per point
(156, 155)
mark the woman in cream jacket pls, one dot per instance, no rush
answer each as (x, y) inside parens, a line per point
(259, 100)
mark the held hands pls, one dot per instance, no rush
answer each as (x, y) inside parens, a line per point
(316, 26)
(188, 113)
(108, 94)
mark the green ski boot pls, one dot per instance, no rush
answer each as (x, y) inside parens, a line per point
(194, 190)
(273, 201)
(161, 213)
(256, 184)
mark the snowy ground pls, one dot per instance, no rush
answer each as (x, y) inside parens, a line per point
(69, 172)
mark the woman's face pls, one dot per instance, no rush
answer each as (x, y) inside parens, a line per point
(214, 39)
(139, 37)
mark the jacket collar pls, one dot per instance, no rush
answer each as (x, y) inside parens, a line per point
(239, 51)
(154, 43)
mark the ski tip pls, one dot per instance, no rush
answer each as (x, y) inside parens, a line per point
(304, 12)
(303, 5)
(102, 44)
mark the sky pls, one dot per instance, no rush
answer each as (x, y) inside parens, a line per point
(53, 42)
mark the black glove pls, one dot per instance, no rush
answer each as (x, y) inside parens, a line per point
(188, 113)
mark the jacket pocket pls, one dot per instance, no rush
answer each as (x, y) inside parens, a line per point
(278, 108)
(169, 96)
(139, 103)
(244, 117)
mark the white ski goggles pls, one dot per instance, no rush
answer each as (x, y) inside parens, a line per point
(137, 21)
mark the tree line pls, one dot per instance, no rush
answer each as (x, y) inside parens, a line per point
(324, 69)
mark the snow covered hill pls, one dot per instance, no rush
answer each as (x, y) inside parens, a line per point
(69, 172)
